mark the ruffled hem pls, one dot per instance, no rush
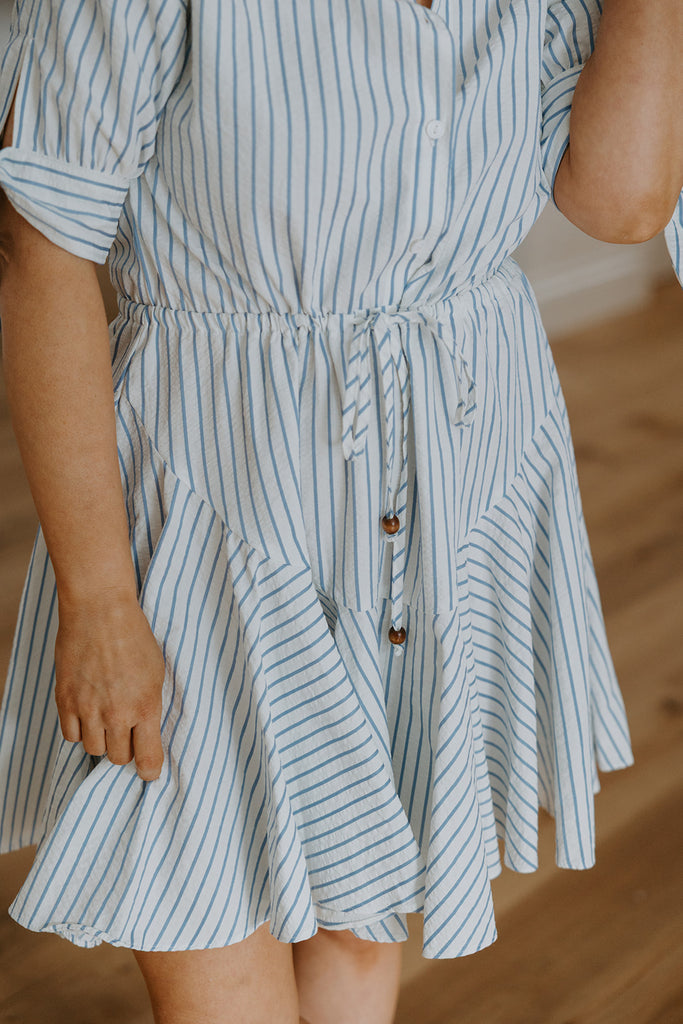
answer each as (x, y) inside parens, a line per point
(312, 776)
(378, 929)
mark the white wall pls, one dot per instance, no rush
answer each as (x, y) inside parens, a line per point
(5, 8)
(579, 280)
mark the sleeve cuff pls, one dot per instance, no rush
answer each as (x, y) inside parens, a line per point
(673, 234)
(73, 206)
(556, 109)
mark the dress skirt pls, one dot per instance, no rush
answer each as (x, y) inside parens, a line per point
(315, 772)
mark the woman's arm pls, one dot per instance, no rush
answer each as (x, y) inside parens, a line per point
(57, 367)
(622, 174)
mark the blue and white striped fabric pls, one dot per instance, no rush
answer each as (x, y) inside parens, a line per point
(309, 210)
(673, 234)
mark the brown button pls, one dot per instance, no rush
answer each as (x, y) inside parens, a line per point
(391, 524)
(397, 636)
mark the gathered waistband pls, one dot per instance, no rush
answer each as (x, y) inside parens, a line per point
(146, 313)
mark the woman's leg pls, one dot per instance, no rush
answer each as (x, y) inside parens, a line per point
(249, 982)
(346, 980)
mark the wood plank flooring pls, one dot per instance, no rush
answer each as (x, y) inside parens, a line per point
(603, 946)
(598, 946)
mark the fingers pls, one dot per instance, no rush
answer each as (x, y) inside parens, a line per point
(149, 753)
(71, 726)
(121, 745)
(93, 738)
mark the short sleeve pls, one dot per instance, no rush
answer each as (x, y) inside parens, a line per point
(570, 30)
(91, 79)
(673, 234)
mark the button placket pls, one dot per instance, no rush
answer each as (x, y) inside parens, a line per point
(421, 249)
(434, 129)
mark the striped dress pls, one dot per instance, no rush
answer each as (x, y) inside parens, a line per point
(351, 489)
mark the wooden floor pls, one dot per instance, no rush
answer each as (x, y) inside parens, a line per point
(603, 946)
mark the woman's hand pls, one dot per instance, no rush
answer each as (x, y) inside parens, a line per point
(110, 672)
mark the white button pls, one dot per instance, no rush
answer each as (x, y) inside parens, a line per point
(434, 129)
(417, 246)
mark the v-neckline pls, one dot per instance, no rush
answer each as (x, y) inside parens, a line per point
(434, 9)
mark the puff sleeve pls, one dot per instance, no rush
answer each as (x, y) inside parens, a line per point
(91, 79)
(570, 31)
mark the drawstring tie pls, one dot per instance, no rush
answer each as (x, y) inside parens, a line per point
(384, 330)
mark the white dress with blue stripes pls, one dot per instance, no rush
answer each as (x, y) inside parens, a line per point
(309, 208)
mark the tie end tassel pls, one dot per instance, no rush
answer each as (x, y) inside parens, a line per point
(397, 631)
(397, 638)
